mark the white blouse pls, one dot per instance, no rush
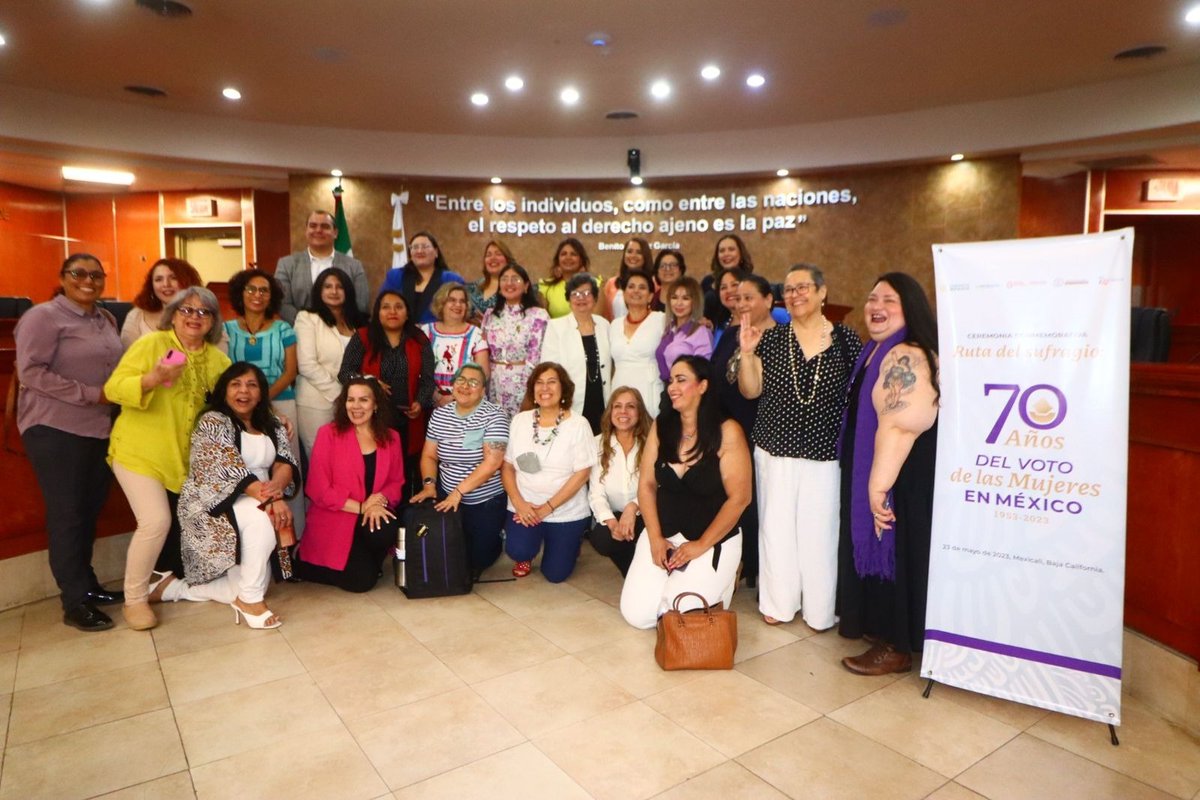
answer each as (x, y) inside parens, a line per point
(609, 495)
(634, 363)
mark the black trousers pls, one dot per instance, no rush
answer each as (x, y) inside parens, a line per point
(361, 573)
(74, 477)
(620, 552)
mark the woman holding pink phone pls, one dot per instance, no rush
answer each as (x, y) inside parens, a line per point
(161, 384)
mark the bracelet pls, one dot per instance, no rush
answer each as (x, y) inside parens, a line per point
(551, 505)
(360, 511)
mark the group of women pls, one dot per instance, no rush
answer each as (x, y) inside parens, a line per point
(623, 411)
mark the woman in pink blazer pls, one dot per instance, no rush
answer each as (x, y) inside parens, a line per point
(354, 481)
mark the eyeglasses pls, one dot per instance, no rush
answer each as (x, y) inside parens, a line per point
(510, 279)
(580, 294)
(79, 273)
(470, 383)
(357, 376)
(195, 311)
(265, 291)
(798, 288)
(418, 248)
(667, 265)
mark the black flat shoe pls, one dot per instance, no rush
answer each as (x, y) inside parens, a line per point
(104, 597)
(86, 617)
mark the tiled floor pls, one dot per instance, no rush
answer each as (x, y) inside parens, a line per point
(521, 690)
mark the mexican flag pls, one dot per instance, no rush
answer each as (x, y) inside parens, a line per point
(342, 243)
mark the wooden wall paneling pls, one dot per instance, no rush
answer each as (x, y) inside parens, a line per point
(272, 237)
(1053, 206)
(91, 223)
(138, 242)
(1162, 596)
(1166, 261)
(1095, 209)
(229, 208)
(31, 245)
(1125, 190)
(249, 248)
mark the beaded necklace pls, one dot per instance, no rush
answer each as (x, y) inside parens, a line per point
(793, 346)
(537, 418)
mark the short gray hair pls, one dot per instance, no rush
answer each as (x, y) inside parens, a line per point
(207, 299)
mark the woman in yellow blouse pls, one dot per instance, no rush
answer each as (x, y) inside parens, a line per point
(161, 384)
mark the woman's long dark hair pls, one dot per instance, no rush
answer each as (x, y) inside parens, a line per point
(381, 423)
(585, 261)
(439, 263)
(529, 298)
(354, 317)
(745, 262)
(261, 417)
(708, 418)
(647, 261)
(716, 311)
(918, 318)
(377, 336)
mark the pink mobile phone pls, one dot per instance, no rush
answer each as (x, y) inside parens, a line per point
(171, 359)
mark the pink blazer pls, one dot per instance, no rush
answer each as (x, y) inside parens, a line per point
(336, 473)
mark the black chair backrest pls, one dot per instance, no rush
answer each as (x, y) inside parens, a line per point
(1149, 334)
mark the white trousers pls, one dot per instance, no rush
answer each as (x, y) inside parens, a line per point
(247, 580)
(649, 591)
(309, 422)
(798, 506)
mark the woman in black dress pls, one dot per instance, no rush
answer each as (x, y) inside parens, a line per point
(888, 452)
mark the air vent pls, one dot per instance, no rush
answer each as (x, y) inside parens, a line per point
(621, 115)
(1122, 162)
(146, 91)
(172, 9)
(1146, 51)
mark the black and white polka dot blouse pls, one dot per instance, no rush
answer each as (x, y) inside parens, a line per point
(800, 409)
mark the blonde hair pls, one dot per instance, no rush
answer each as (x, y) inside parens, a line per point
(443, 294)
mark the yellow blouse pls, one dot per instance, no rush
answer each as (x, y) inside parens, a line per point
(152, 435)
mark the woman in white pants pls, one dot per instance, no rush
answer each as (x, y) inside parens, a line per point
(232, 501)
(694, 485)
(800, 372)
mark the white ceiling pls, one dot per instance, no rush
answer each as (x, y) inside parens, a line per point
(382, 86)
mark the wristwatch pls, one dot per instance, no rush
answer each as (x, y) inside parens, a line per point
(428, 481)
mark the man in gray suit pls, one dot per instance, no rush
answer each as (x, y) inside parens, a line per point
(297, 272)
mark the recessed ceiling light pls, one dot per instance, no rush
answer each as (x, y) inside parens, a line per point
(231, 93)
(112, 177)
(3, 41)
(479, 99)
(711, 72)
(636, 180)
(660, 89)
(496, 179)
(337, 173)
(957, 157)
(783, 173)
(755, 80)
(514, 83)
(569, 95)
(1192, 16)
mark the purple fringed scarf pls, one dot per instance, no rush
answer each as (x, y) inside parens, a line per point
(872, 557)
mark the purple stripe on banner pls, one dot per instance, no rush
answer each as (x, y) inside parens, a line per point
(1052, 659)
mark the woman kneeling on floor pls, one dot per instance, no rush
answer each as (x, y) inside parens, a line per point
(231, 504)
(355, 478)
(546, 467)
(694, 485)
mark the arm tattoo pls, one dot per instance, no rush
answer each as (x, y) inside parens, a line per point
(495, 447)
(898, 379)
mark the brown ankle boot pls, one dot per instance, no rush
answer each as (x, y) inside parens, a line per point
(139, 616)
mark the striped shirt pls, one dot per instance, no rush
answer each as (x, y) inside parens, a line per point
(460, 443)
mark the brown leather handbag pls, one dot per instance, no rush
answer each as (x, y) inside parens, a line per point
(700, 639)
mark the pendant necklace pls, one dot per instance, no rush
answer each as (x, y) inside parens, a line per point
(793, 346)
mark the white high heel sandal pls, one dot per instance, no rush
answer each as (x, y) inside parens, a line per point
(256, 621)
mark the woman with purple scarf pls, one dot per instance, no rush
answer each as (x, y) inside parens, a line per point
(888, 448)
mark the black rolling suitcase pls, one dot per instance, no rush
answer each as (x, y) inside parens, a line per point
(435, 554)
